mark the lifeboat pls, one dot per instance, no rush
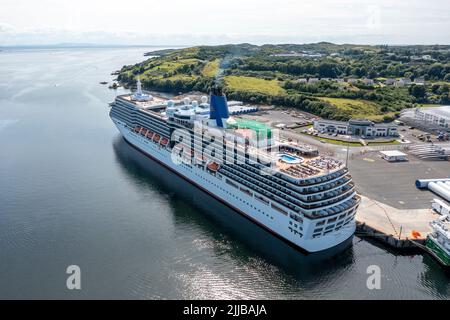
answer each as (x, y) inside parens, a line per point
(156, 137)
(144, 131)
(149, 134)
(415, 234)
(137, 129)
(213, 166)
(164, 141)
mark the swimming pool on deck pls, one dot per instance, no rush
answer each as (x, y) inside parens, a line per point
(287, 158)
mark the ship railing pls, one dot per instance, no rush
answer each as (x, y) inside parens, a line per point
(287, 200)
(346, 205)
(259, 190)
(331, 200)
(326, 183)
(327, 186)
(294, 189)
(265, 185)
(297, 200)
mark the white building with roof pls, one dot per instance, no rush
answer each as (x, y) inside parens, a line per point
(393, 155)
(357, 127)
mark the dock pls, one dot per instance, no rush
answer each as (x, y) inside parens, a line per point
(398, 228)
(392, 207)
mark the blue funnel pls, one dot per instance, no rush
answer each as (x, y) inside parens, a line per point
(218, 108)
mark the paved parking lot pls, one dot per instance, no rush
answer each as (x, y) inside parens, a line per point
(276, 116)
(393, 183)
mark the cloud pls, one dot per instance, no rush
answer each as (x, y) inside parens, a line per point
(6, 28)
(209, 22)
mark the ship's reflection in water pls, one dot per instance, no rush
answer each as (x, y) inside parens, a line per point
(242, 260)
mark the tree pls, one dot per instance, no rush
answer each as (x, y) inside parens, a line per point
(418, 92)
(445, 99)
(435, 71)
(372, 74)
(435, 88)
(328, 70)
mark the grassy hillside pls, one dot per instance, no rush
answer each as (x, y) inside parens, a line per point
(254, 85)
(354, 108)
(211, 69)
(270, 74)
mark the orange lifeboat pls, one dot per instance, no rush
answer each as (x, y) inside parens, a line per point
(213, 166)
(415, 234)
(156, 137)
(137, 129)
(144, 131)
(164, 141)
(149, 134)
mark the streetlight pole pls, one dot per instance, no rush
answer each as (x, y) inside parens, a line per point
(346, 159)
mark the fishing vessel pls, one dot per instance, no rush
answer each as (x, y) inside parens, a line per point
(289, 189)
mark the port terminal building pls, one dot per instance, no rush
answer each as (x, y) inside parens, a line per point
(357, 127)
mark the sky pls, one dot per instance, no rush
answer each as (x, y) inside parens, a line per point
(194, 22)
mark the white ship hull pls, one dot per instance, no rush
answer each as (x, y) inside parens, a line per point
(258, 212)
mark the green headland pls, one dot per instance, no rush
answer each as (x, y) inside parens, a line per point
(332, 81)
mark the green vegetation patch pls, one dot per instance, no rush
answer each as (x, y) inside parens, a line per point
(354, 108)
(211, 68)
(339, 142)
(254, 85)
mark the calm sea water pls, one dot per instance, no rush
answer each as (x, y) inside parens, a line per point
(72, 192)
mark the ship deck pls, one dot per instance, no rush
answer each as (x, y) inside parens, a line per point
(309, 167)
(145, 104)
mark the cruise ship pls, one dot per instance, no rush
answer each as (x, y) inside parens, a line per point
(289, 189)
